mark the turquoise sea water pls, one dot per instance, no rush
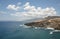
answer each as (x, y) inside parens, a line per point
(13, 30)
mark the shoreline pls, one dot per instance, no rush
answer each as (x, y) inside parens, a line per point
(52, 22)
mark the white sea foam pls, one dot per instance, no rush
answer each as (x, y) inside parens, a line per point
(54, 31)
(50, 28)
(36, 27)
(24, 26)
(51, 32)
(21, 25)
(27, 26)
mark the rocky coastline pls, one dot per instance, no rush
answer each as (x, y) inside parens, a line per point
(48, 22)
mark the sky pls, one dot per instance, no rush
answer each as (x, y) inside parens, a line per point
(20, 10)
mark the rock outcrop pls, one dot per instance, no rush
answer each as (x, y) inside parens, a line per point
(50, 21)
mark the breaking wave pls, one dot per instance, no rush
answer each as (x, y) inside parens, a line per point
(24, 26)
(48, 28)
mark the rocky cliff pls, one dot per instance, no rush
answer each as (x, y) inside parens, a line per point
(50, 21)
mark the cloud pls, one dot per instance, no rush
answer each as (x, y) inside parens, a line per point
(16, 14)
(28, 7)
(31, 12)
(13, 7)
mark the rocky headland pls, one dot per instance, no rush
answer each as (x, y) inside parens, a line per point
(48, 22)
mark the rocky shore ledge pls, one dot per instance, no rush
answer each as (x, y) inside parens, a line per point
(48, 22)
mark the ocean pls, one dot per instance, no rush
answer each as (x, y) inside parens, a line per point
(16, 30)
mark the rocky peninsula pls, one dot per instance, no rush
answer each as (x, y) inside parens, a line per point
(48, 22)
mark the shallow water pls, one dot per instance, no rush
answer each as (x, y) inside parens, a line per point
(15, 30)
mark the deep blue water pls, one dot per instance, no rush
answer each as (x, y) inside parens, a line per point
(13, 30)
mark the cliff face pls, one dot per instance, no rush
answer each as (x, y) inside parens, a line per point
(52, 22)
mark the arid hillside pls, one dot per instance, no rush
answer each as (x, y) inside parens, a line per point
(50, 21)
